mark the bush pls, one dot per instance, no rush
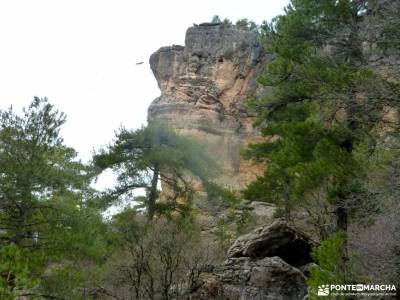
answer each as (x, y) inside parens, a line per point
(330, 266)
(160, 260)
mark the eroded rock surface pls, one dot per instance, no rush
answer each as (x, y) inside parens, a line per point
(258, 267)
(277, 239)
(204, 86)
(247, 278)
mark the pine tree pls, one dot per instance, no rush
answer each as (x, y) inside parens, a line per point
(36, 168)
(47, 212)
(323, 102)
(150, 155)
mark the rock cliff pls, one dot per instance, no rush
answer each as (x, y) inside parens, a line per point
(204, 86)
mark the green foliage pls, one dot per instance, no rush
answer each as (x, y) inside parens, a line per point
(224, 236)
(389, 38)
(301, 71)
(243, 221)
(303, 157)
(227, 22)
(329, 259)
(67, 280)
(14, 272)
(319, 118)
(241, 23)
(35, 168)
(216, 192)
(215, 19)
(47, 211)
(148, 155)
(246, 24)
(314, 116)
(126, 227)
(237, 219)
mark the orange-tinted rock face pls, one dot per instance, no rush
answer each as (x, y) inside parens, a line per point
(204, 86)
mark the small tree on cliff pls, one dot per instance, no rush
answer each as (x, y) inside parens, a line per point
(246, 24)
(150, 155)
(216, 19)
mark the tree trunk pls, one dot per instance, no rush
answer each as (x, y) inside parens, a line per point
(341, 216)
(153, 194)
(287, 204)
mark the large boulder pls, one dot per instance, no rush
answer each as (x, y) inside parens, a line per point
(264, 264)
(277, 239)
(256, 279)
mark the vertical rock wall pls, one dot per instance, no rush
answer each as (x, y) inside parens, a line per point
(204, 86)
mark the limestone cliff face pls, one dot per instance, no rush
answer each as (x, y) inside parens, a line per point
(204, 86)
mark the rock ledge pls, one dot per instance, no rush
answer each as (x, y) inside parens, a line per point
(257, 267)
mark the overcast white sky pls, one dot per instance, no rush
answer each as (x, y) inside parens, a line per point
(82, 55)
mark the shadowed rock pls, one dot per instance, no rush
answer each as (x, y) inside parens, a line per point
(261, 265)
(277, 239)
(247, 278)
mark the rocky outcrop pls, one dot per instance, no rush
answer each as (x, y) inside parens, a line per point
(204, 86)
(245, 278)
(278, 239)
(259, 267)
(262, 265)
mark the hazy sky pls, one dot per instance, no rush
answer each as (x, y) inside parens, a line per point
(82, 55)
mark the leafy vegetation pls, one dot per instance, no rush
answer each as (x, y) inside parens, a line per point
(328, 256)
(320, 116)
(46, 204)
(161, 260)
(327, 152)
(150, 155)
(54, 241)
(241, 23)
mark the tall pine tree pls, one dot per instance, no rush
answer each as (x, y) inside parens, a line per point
(324, 100)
